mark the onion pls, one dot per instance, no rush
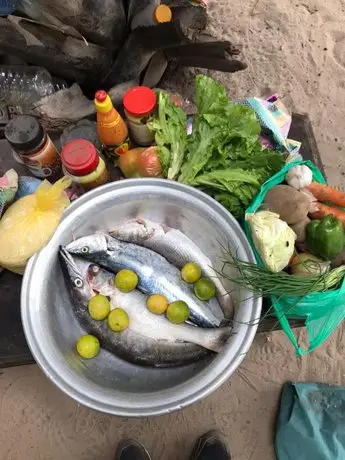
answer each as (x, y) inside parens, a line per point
(149, 164)
(128, 162)
(306, 264)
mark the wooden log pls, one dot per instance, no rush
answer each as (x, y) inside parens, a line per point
(63, 55)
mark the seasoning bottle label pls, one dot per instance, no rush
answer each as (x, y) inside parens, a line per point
(44, 164)
(121, 149)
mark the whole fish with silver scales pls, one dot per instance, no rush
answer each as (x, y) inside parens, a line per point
(176, 247)
(155, 273)
(150, 340)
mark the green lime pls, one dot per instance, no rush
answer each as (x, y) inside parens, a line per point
(204, 289)
(99, 307)
(126, 280)
(157, 304)
(191, 273)
(178, 312)
(118, 320)
(88, 346)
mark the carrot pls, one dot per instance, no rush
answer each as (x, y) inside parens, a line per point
(325, 210)
(327, 194)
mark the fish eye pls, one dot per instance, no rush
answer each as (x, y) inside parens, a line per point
(85, 249)
(94, 269)
(78, 282)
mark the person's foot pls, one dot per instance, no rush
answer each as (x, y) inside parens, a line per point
(211, 446)
(130, 449)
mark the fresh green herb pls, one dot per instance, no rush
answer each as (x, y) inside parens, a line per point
(224, 156)
(262, 281)
(170, 135)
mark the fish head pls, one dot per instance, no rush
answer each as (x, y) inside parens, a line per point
(137, 230)
(75, 273)
(90, 247)
(101, 280)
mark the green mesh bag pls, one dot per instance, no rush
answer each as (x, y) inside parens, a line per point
(323, 311)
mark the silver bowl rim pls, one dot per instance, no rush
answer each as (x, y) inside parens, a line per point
(217, 368)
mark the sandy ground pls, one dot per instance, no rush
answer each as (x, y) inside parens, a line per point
(298, 50)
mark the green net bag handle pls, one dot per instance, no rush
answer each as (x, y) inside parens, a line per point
(322, 312)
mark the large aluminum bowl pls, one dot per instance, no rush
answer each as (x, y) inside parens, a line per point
(108, 383)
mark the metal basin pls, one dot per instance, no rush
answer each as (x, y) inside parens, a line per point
(108, 383)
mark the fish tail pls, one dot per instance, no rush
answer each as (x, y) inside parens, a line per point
(218, 338)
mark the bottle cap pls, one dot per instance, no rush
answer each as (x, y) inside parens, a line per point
(24, 133)
(79, 157)
(103, 102)
(162, 14)
(139, 101)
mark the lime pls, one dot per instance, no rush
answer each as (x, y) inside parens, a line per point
(157, 304)
(118, 320)
(126, 280)
(99, 307)
(191, 273)
(204, 289)
(88, 346)
(178, 312)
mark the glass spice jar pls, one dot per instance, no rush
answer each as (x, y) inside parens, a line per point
(33, 147)
(82, 162)
(140, 103)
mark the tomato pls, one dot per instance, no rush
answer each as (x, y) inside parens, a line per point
(149, 164)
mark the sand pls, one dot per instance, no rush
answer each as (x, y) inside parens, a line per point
(296, 49)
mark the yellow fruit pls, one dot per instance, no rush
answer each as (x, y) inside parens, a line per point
(118, 320)
(178, 312)
(190, 273)
(88, 346)
(157, 304)
(204, 289)
(126, 280)
(99, 307)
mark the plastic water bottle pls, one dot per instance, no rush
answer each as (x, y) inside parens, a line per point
(7, 7)
(24, 85)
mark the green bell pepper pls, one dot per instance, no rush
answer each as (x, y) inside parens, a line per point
(326, 237)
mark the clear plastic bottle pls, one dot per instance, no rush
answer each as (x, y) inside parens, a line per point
(7, 7)
(24, 85)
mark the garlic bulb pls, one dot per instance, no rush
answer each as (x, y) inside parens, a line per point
(299, 177)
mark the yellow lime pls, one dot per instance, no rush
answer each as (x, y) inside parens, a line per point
(178, 312)
(118, 320)
(204, 289)
(126, 280)
(157, 304)
(88, 346)
(99, 307)
(191, 273)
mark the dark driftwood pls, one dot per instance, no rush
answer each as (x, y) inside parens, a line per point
(142, 44)
(63, 55)
(100, 21)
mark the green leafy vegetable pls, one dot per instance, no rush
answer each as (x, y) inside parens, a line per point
(262, 281)
(170, 135)
(233, 188)
(224, 155)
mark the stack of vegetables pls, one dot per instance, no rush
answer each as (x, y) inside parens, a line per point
(294, 233)
(222, 156)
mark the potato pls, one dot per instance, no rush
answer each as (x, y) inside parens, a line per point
(299, 229)
(291, 205)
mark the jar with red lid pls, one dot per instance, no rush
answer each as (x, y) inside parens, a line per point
(140, 103)
(82, 162)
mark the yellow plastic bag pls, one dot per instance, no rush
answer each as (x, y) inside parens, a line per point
(27, 226)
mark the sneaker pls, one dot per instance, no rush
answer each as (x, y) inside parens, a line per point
(211, 446)
(131, 449)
